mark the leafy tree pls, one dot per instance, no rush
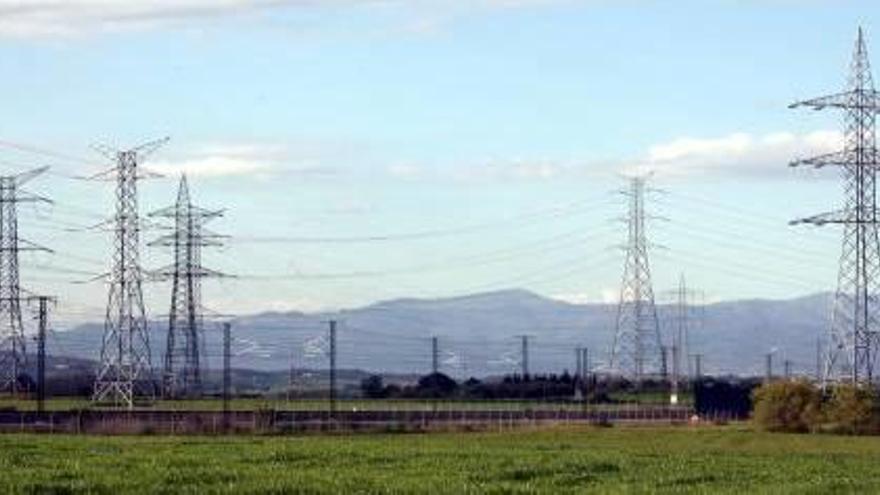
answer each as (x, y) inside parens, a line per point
(852, 409)
(787, 406)
(373, 387)
(436, 385)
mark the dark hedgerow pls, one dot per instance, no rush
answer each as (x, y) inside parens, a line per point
(799, 406)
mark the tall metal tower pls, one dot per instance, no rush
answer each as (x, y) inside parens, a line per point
(12, 340)
(637, 349)
(125, 367)
(854, 327)
(184, 344)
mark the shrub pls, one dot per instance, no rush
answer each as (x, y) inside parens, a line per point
(436, 385)
(373, 387)
(787, 406)
(852, 409)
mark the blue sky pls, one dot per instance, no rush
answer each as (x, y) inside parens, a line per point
(495, 130)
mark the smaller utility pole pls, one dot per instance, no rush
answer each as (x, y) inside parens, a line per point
(787, 367)
(43, 302)
(227, 372)
(664, 360)
(524, 359)
(769, 372)
(332, 368)
(585, 360)
(435, 355)
(676, 361)
(585, 372)
(290, 375)
(698, 366)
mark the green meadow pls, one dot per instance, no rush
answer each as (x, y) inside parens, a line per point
(731, 459)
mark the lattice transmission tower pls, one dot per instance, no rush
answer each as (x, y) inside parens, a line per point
(854, 326)
(185, 343)
(125, 368)
(637, 349)
(12, 339)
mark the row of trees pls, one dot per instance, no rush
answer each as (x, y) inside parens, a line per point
(799, 406)
(529, 387)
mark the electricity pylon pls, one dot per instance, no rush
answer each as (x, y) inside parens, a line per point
(12, 340)
(125, 367)
(854, 327)
(184, 344)
(637, 349)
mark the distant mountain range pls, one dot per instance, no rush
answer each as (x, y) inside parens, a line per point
(478, 335)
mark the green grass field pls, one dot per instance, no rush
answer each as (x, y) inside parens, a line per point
(613, 460)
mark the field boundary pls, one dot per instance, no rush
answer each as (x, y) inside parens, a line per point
(282, 422)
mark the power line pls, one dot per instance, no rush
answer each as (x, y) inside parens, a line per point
(450, 264)
(29, 148)
(527, 218)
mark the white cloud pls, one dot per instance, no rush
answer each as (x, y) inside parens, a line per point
(302, 304)
(211, 166)
(243, 159)
(494, 170)
(686, 148)
(48, 18)
(216, 160)
(515, 170)
(603, 296)
(537, 169)
(244, 149)
(64, 18)
(735, 154)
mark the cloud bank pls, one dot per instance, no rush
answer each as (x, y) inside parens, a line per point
(733, 155)
(737, 154)
(231, 160)
(65, 18)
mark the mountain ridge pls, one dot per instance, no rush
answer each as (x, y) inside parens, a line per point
(478, 334)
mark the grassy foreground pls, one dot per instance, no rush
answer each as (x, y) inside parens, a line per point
(668, 460)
